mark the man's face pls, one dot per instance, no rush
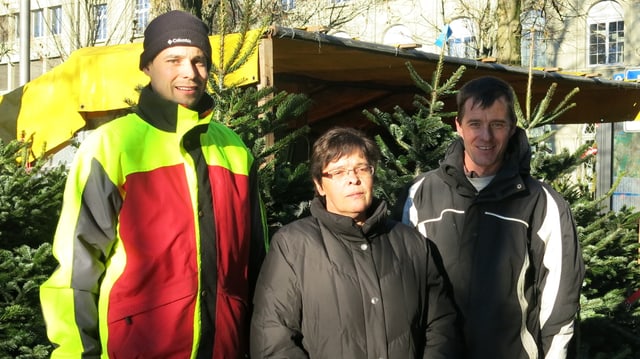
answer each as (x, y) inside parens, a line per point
(485, 133)
(179, 74)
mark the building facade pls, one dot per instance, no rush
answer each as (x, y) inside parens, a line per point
(583, 37)
(58, 27)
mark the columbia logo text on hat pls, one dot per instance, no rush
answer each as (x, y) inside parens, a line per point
(179, 41)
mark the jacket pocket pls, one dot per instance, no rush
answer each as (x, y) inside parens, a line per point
(153, 324)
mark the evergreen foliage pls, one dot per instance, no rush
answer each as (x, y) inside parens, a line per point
(261, 117)
(609, 327)
(29, 197)
(22, 330)
(30, 200)
(418, 139)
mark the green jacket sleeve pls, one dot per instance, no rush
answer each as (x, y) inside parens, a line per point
(82, 242)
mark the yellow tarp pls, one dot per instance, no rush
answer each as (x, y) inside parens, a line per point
(51, 108)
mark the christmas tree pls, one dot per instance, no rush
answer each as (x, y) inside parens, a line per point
(30, 201)
(261, 117)
(418, 140)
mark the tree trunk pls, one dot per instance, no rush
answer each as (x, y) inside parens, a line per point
(508, 32)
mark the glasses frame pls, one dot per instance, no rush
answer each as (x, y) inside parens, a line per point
(343, 173)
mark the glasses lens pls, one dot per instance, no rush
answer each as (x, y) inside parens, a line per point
(364, 171)
(342, 174)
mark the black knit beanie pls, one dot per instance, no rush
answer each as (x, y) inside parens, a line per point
(174, 28)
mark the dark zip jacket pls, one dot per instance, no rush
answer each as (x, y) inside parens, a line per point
(332, 289)
(510, 251)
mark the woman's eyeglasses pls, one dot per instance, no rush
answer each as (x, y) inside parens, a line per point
(340, 174)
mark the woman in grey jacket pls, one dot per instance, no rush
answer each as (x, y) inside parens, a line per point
(349, 282)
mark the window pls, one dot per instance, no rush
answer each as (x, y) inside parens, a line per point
(606, 34)
(288, 5)
(532, 43)
(141, 16)
(16, 25)
(462, 42)
(100, 16)
(5, 28)
(589, 132)
(37, 23)
(56, 20)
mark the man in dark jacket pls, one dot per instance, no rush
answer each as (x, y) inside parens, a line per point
(508, 242)
(349, 282)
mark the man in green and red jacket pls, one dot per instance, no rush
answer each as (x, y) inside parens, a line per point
(162, 230)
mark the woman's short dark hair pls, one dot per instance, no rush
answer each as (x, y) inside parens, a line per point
(338, 142)
(484, 91)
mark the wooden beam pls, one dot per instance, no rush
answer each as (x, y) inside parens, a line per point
(265, 61)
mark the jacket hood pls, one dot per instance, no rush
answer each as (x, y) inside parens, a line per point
(345, 226)
(518, 155)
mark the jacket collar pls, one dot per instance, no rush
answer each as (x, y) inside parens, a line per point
(345, 227)
(163, 114)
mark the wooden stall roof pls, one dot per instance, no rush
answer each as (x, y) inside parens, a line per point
(344, 76)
